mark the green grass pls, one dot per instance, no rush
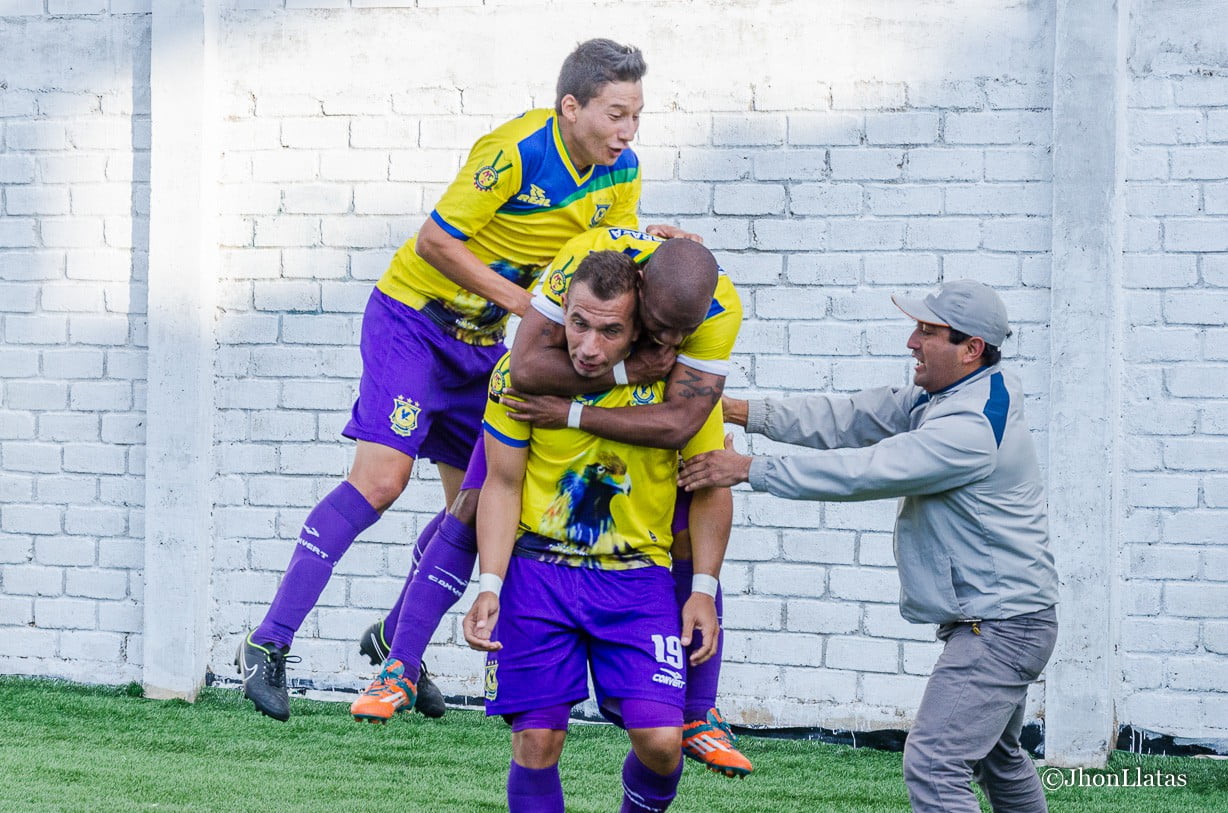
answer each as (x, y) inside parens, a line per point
(71, 747)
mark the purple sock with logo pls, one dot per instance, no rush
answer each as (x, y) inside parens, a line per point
(330, 529)
(428, 531)
(645, 790)
(702, 680)
(534, 790)
(443, 574)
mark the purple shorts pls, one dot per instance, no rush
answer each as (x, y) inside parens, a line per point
(556, 622)
(422, 392)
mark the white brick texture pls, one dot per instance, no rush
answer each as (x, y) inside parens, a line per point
(71, 278)
(821, 197)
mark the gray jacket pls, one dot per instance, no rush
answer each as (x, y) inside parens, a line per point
(971, 534)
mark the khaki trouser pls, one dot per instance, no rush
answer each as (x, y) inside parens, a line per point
(971, 714)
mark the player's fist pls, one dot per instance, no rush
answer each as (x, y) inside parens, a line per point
(650, 363)
(480, 622)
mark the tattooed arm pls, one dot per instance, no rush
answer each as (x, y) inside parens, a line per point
(542, 369)
(690, 396)
(541, 364)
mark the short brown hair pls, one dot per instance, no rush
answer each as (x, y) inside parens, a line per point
(608, 274)
(596, 63)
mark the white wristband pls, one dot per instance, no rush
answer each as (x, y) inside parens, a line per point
(573, 415)
(703, 583)
(620, 373)
(489, 583)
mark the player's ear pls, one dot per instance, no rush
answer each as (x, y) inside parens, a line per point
(975, 348)
(570, 106)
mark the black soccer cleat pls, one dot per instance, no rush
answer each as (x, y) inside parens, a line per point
(430, 699)
(263, 670)
(373, 645)
(376, 648)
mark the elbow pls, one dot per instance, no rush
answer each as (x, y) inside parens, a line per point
(525, 373)
(429, 248)
(674, 439)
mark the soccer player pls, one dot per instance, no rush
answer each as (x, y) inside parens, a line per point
(672, 270)
(434, 324)
(579, 529)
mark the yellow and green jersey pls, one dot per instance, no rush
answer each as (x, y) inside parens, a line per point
(592, 502)
(515, 202)
(707, 349)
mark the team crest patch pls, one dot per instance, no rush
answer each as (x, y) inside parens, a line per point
(487, 177)
(404, 417)
(557, 283)
(642, 394)
(599, 215)
(492, 680)
(498, 384)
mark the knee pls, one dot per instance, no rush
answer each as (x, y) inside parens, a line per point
(920, 764)
(381, 489)
(660, 749)
(537, 748)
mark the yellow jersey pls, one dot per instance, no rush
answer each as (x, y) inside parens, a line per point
(515, 202)
(588, 501)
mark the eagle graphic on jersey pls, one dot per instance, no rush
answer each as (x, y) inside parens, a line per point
(580, 513)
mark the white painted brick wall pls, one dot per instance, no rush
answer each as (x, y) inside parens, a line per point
(72, 179)
(823, 185)
(1174, 522)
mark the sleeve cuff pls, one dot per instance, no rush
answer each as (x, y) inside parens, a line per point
(757, 478)
(448, 227)
(756, 417)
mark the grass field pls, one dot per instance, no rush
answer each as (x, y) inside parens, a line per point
(70, 747)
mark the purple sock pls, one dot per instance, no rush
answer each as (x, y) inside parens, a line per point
(645, 790)
(534, 790)
(702, 680)
(428, 530)
(439, 583)
(330, 529)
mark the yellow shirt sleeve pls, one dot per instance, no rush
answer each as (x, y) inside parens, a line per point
(495, 420)
(490, 176)
(709, 438)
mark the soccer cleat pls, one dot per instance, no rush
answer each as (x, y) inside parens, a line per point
(716, 718)
(711, 742)
(263, 669)
(387, 694)
(375, 646)
(430, 699)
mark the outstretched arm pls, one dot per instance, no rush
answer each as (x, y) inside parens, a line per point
(690, 396)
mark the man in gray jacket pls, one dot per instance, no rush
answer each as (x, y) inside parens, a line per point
(971, 534)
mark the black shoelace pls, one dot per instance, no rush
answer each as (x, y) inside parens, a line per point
(277, 668)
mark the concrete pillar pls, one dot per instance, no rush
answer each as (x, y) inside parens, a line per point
(179, 413)
(1089, 157)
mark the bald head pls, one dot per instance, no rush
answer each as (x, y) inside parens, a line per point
(679, 280)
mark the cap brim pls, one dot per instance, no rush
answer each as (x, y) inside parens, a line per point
(918, 310)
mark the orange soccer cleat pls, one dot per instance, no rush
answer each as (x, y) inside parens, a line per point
(389, 693)
(711, 742)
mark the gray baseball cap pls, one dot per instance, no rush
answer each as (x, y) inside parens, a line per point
(966, 305)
